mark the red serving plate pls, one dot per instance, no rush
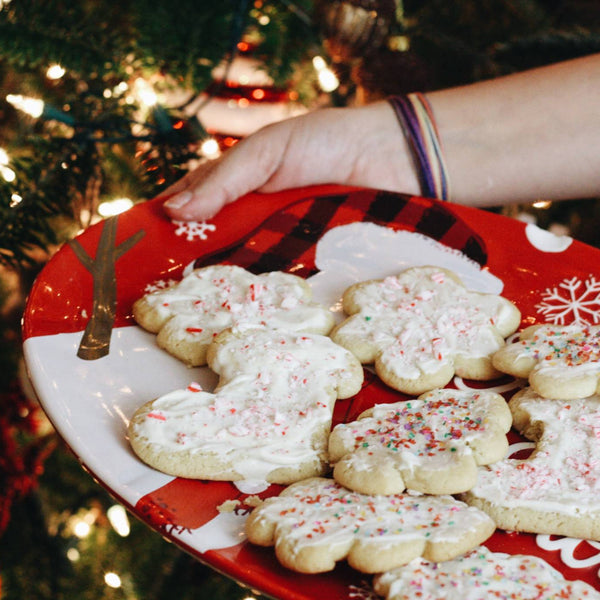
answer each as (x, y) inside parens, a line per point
(92, 366)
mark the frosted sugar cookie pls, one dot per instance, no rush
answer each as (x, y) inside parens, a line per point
(561, 362)
(556, 489)
(269, 418)
(188, 314)
(423, 326)
(316, 522)
(479, 575)
(431, 445)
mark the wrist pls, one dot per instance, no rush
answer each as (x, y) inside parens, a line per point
(417, 122)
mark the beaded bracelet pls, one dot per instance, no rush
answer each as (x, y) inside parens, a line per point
(418, 124)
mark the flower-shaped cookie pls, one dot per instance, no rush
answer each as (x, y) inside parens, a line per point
(431, 445)
(423, 326)
(561, 362)
(316, 522)
(269, 418)
(481, 574)
(556, 489)
(188, 314)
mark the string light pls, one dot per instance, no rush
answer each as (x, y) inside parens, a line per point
(82, 529)
(144, 91)
(110, 208)
(328, 80)
(73, 554)
(81, 525)
(55, 71)
(117, 517)
(112, 580)
(210, 148)
(7, 173)
(34, 107)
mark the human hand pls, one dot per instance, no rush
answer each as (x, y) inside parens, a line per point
(361, 146)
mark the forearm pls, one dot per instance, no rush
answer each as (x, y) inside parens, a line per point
(530, 136)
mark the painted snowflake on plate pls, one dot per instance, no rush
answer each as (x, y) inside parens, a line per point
(572, 301)
(193, 229)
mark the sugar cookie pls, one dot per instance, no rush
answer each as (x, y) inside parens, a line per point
(479, 575)
(561, 362)
(316, 522)
(423, 326)
(431, 445)
(268, 419)
(556, 489)
(188, 314)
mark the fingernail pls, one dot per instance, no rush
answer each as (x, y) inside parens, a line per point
(178, 200)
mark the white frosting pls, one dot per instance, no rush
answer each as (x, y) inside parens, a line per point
(210, 299)
(481, 574)
(276, 390)
(319, 511)
(421, 319)
(563, 473)
(434, 430)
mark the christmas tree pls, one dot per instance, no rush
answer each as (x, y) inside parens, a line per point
(105, 104)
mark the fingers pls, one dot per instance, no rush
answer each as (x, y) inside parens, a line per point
(244, 168)
(197, 195)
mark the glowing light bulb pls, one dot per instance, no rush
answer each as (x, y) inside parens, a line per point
(7, 174)
(210, 148)
(82, 529)
(328, 80)
(32, 106)
(112, 580)
(73, 554)
(55, 71)
(117, 516)
(543, 204)
(145, 92)
(110, 208)
(319, 63)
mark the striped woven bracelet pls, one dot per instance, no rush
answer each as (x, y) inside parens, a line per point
(418, 124)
